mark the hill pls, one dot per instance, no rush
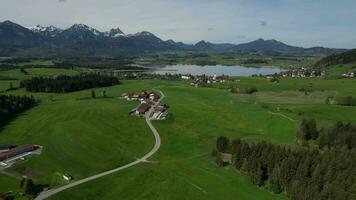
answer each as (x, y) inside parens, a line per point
(82, 40)
(348, 57)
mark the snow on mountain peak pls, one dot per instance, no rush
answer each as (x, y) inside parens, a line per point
(46, 30)
(85, 27)
(114, 33)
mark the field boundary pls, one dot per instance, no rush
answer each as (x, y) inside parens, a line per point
(282, 115)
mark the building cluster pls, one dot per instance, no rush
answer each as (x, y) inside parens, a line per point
(348, 75)
(10, 153)
(147, 95)
(201, 80)
(159, 112)
(147, 99)
(302, 72)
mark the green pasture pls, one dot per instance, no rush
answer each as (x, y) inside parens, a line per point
(84, 137)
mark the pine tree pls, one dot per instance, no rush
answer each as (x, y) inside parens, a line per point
(22, 183)
(93, 94)
(30, 187)
(274, 181)
(222, 144)
(312, 130)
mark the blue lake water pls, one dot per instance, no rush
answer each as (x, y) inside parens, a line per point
(216, 69)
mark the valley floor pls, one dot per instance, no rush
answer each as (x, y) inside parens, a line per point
(85, 137)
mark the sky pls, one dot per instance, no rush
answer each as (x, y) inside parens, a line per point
(305, 23)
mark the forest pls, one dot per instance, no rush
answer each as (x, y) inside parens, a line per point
(327, 171)
(63, 83)
(12, 105)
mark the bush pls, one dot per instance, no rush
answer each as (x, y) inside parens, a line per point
(244, 90)
(347, 101)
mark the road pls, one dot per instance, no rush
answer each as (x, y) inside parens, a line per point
(49, 193)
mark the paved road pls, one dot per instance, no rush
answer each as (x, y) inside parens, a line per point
(49, 193)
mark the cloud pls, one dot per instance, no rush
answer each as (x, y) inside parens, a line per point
(62, 1)
(263, 23)
(211, 29)
(241, 37)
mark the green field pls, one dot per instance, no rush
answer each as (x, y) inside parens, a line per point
(89, 136)
(33, 72)
(8, 183)
(337, 70)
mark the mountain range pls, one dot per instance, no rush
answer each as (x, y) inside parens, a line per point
(81, 39)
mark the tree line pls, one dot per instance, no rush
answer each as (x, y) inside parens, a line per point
(11, 105)
(326, 172)
(63, 83)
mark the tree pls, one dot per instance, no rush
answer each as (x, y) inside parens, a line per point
(307, 130)
(301, 131)
(22, 183)
(312, 130)
(93, 94)
(11, 87)
(30, 187)
(274, 181)
(222, 144)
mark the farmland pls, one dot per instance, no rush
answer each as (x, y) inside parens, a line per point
(84, 137)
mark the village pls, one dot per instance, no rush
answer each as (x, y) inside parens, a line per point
(147, 99)
(302, 73)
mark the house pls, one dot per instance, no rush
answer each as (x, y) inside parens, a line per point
(142, 108)
(160, 112)
(141, 96)
(17, 151)
(5, 147)
(185, 77)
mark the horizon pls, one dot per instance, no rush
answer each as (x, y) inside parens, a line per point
(103, 31)
(296, 23)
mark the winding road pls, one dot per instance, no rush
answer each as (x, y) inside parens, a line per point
(49, 193)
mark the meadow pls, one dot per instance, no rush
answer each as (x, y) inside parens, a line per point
(88, 136)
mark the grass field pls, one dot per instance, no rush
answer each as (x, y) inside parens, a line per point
(32, 72)
(79, 137)
(8, 184)
(89, 136)
(340, 69)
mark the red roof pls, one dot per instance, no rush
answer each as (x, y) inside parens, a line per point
(143, 108)
(17, 151)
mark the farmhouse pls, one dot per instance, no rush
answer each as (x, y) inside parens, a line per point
(142, 108)
(160, 112)
(17, 151)
(348, 75)
(141, 96)
(5, 147)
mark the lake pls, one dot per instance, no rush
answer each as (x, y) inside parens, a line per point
(235, 70)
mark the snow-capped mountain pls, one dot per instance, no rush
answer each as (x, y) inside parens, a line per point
(81, 38)
(49, 31)
(84, 28)
(114, 33)
(144, 34)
